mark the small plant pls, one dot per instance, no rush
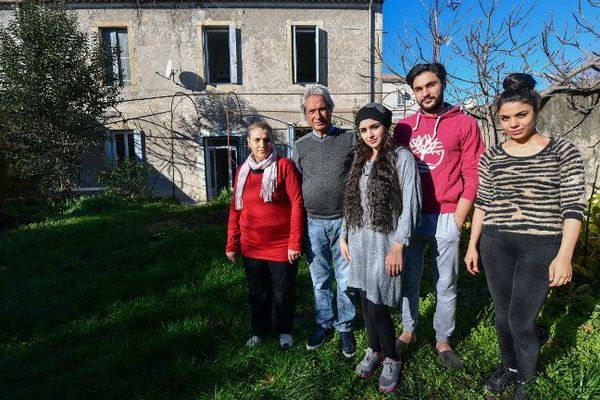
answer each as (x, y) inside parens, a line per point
(124, 178)
(588, 247)
(222, 200)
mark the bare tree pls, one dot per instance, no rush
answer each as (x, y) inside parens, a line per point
(491, 45)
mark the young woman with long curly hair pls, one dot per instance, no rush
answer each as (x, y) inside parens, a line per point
(382, 201)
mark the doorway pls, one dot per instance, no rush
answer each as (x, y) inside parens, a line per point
(221, 160)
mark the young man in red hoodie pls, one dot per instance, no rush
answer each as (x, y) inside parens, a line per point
(446, 144)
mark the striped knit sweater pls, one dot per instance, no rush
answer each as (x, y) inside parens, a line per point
(532, 194)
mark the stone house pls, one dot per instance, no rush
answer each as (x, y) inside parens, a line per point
(195, 74)
(397, 96)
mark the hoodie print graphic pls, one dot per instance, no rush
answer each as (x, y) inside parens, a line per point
(428, 150)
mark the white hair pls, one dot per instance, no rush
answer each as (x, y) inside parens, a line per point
(317, 90)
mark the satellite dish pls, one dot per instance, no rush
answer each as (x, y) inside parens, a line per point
(169, 70)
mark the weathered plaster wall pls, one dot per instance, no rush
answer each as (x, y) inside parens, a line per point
(173, 32)
(560, 117)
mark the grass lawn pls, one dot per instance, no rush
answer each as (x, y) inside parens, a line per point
(137, 301)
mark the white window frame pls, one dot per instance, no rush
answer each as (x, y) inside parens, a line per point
(233, 50)
(119, 40)
(100, 25)
(110, 145)
(295, 29)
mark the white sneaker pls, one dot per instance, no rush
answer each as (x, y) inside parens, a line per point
(253, 341)
(285, 341)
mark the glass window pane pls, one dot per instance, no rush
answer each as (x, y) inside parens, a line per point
(120, 144)
(305, 55)
(217, 53)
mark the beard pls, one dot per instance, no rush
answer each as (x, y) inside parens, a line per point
(432, 107)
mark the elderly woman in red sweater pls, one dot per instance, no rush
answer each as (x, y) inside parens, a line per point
(266, 221)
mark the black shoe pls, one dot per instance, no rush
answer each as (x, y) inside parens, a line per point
(521, 392)
(500, 380)
(450, 359)
(348, 343)
(318, 338)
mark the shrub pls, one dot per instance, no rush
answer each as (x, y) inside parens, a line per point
(124, 178)
(222, 200)
(586, 263)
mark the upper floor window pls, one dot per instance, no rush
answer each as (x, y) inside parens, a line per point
(123, 145)
(306, 50)
(117, 46)
(220, 54)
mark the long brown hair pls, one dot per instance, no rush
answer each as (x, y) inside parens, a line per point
(383, 190)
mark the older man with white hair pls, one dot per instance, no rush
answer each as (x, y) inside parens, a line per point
(323, 158)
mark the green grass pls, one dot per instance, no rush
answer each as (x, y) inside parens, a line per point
(135, 300)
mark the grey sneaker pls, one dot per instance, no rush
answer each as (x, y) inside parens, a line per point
(390, 375)
(368, 364)
(285, 341)
(253, 342)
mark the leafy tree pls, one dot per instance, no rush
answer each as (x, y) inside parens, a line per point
(53, 92)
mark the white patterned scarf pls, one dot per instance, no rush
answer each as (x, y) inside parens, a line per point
(269, 178)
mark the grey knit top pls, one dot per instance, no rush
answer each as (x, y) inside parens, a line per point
(323, 163)
(532, 194)
(368, 248)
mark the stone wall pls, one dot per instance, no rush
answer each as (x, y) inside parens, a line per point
(566, 116)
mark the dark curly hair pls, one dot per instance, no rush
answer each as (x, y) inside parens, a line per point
(383, 189)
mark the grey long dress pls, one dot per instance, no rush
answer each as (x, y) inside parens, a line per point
(368, 248)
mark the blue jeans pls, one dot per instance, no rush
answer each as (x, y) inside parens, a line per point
(323, 250)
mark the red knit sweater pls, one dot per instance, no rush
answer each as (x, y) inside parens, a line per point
(262, 230)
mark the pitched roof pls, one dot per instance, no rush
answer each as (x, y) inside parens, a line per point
(393, 78)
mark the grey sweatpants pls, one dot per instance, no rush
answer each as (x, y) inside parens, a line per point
(440, 232)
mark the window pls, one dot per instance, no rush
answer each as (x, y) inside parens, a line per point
(403, 98)
(117, 47)
(220, 55)
(306, 50)
(122, 145)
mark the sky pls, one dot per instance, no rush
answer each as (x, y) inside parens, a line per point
(399, 15)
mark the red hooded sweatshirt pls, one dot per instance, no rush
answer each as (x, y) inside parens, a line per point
(447, 148)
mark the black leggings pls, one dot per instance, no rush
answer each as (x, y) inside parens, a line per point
(516, 269)
(381, 332)
(265, 277)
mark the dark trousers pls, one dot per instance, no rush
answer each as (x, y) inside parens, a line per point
(516, 269)
(381, 333)
(265, 277)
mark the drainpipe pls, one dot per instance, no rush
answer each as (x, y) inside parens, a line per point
(371, 53)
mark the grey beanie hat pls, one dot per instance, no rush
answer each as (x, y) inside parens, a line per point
(375, 111)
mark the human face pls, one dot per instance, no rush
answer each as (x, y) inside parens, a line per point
(317, 113)
(429, 92)
(518, 120)
(260, 143)
(372, 132)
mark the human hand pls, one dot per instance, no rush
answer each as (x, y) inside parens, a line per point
(394, 261)
(293, 255)
(459, 222)
(345, 250)
(560, 271)
(231, 255)
(472, 260)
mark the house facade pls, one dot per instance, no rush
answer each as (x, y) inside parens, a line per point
(398, 96)
(195, 74)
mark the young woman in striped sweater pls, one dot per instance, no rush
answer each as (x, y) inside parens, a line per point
(528, 213)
